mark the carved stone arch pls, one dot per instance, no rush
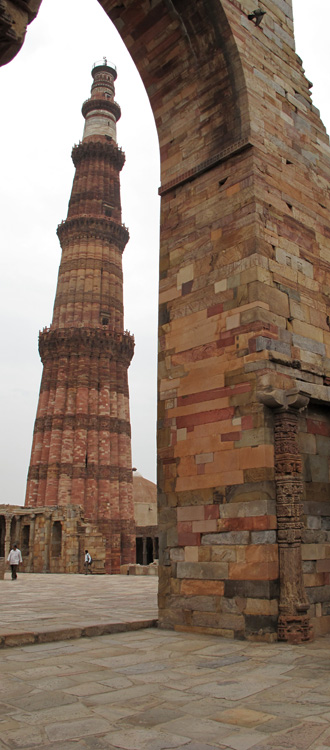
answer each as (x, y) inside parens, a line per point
(190, 64)
(184, 52)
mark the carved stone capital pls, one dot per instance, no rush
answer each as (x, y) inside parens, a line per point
(277, 398)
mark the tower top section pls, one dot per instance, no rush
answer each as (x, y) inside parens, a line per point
(100, 111)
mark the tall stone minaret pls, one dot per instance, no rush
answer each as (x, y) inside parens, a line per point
(81, 451)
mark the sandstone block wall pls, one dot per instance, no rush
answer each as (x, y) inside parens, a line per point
(244, 300)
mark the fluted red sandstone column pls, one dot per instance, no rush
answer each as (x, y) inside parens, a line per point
(81, 450)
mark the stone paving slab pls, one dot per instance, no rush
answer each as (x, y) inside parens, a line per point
(96, 694)
(40, 608)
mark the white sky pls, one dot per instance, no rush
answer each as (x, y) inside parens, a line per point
(42, 91)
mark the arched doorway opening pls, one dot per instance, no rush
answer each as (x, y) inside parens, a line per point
(46, 170)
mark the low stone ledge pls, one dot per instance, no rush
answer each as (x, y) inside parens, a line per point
(139, 570)
(64, 634)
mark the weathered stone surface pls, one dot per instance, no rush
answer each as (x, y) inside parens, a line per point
(232, 537)
(202, 571)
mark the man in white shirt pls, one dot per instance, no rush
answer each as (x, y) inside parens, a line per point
(14, 558)
(88, 562)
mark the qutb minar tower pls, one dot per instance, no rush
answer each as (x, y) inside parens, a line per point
(81, 451)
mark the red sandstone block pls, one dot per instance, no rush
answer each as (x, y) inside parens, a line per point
(205, 527)
(214, 393)
(214, 310)
(247, 422)
(231, 436)
(214, 415)
(184, 526)
(253, 523)
(323, 566)
(264, 571)
(317, 427)
(211, 511)
(188, 540)
(224, 342)
(202, 588)
(260, 553)
(201, 469)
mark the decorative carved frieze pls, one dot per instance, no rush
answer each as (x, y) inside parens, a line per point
(107, 150)
(95, 228)
(91, 342)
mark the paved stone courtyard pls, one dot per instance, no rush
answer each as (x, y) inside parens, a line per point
(50, 606)
(150, 689)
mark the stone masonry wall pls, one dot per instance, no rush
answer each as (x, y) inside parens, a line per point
(35, 533)
(244, 297)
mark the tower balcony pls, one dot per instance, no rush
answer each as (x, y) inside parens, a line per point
(80, 340)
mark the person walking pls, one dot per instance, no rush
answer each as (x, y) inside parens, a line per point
(88, 562)
(14, 558)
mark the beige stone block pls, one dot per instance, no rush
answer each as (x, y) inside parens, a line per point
(193, 383)
(202, 571)
(168, 294)
(314, 551)
(198, 444)
(169, 385)
(222, 554)
(232, 321)
(303, 329)
(191, 554)
(204, 554)
(256, 273)
(313, 579)
(307, 283)
(283, 272)
(220, 286)
(261, 607)
(191, 336)
(185, 274)
(204, 458)
(292, 261)
(321, 625)
(191, 513)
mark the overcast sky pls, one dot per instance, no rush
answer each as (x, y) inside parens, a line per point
(42, 91)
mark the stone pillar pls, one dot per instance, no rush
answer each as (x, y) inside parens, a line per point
(144, 552)
(293, 622)
(18, 531)
(48, 527)
(7, 536)
(32, 535)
